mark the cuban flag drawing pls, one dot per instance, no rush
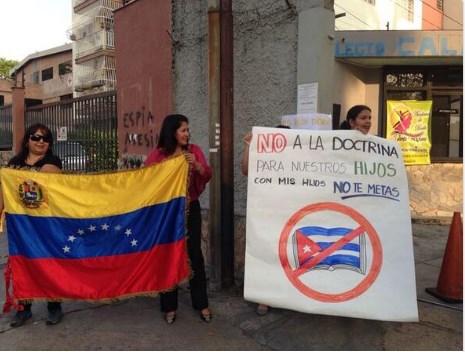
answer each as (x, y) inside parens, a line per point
(309, 241)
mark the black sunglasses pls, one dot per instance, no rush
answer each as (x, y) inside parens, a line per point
(38, 137)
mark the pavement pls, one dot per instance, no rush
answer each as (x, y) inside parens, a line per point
(137, 324)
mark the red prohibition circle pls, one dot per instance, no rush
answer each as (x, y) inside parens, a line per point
(357, 217)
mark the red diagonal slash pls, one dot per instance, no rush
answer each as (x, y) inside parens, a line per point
(328, 251)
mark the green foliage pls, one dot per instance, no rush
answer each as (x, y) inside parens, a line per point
(6, 66)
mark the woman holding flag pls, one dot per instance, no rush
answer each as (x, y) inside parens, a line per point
(174, 141)
(36, 154)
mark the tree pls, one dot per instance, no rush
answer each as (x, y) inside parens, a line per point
(6, 66)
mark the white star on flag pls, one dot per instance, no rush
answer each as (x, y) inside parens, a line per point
(66, 249)
(128, 232)
(134, 242)
(71, 238)
(105, 227)
(80, 232)
(117, 227)
(307, 249)
(92, 228)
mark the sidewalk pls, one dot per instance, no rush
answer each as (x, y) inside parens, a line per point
(137, 324)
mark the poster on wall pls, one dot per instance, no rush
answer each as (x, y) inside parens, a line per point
(409, 123)
(307, 98)
(328, 225)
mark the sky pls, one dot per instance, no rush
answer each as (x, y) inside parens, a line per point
(28, 26)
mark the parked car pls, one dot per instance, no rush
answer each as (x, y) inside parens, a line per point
(73, 156)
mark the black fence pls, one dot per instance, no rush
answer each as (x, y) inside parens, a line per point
(85, 131)
(6, 127)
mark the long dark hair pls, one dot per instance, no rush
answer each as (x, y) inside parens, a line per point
(167, 140)
(352, 115)
(24, 151)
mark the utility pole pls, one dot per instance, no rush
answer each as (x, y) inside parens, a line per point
(227, 150)
(214, 142)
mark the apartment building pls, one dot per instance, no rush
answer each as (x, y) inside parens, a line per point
(47, 76)
(93, 46)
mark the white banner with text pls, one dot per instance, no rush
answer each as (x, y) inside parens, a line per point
(328, 225)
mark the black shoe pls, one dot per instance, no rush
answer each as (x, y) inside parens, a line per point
(54, 316)
(20, 318)
(206, 317)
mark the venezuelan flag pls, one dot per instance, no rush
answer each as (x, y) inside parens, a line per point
(96, 237)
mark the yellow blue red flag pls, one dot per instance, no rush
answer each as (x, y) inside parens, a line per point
(96, 237)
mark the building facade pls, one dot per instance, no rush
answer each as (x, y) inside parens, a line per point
(46, 75)
(92, 33)
(6, 96)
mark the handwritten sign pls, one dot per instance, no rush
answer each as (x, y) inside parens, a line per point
(308, 121)
(328, 225)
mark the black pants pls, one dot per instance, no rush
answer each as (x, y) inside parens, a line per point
(198, 283)
(50, 306)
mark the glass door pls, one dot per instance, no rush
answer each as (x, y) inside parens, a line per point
(446, 125)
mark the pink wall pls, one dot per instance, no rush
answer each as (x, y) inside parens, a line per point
(432, 17)
(143, 73)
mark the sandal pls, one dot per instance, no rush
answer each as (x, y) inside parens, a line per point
(262, 309)
(206, 317)
(169, 317)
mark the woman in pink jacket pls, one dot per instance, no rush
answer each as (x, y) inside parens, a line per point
(174, 141)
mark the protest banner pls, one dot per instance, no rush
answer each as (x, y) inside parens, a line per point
(328, 225)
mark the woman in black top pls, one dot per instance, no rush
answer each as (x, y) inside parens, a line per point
(36, 154)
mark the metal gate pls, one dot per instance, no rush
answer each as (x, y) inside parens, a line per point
(6, 127)
(85, 131)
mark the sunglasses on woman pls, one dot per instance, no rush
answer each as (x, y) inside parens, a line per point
(38, 137)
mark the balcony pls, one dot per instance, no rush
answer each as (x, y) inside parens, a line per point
(96, 19)
(79, 5)
(98, 75)
(94, 43)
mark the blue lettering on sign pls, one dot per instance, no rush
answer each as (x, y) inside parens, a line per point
(427, 45)
(405, 46)
(401, 42)
(444, 48)
(358, 49)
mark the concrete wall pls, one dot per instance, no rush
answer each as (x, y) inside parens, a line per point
(358, 85)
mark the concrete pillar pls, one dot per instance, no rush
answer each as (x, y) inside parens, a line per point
(18, 112)
(315, 58)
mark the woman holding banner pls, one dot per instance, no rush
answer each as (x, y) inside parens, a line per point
(36, 154)
(358, 118)
(262, 309)
(174, 141)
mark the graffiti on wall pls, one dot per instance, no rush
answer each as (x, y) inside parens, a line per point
(139, 129)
